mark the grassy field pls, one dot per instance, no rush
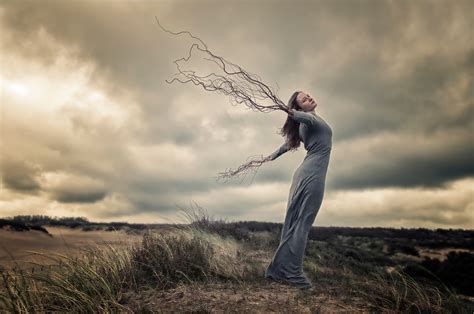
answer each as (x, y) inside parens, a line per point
(212, 266)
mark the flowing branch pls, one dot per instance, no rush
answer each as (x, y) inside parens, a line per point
(240, 85)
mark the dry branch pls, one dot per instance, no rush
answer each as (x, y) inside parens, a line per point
(240, 85)
(250, 167)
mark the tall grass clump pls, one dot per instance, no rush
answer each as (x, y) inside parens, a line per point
(165, 260)
(197, 218)
(198, 251)
(92, 282)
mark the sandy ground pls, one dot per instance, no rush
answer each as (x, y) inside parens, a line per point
(14, 245)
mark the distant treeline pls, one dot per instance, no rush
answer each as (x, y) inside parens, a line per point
(20, 226)
(437, 238)
(73, 222)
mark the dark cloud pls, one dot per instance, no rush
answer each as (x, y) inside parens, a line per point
(71, 188)
(76, 196)
(411, 102)
(430, 168)
(20, 176)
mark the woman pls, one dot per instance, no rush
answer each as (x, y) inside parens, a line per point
(307, 188)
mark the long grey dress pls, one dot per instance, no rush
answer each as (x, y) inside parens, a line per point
(304, 200)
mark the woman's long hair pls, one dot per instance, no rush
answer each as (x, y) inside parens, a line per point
(290, 129)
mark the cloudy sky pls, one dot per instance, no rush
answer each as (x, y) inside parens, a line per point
(90, 128)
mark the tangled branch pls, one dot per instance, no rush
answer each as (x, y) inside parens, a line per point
(240, 85)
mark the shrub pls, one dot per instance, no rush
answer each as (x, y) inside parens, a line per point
(456, 271)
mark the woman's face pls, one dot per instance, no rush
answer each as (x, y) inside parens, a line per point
(305, 101)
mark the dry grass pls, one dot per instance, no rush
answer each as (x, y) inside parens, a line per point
(398, 292)
(185, 255)
(90, 283)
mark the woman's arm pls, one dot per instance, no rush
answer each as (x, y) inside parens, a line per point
(302, 117)
(280, 151)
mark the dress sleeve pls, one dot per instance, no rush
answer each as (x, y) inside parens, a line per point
(303, 117)
(280, 151)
